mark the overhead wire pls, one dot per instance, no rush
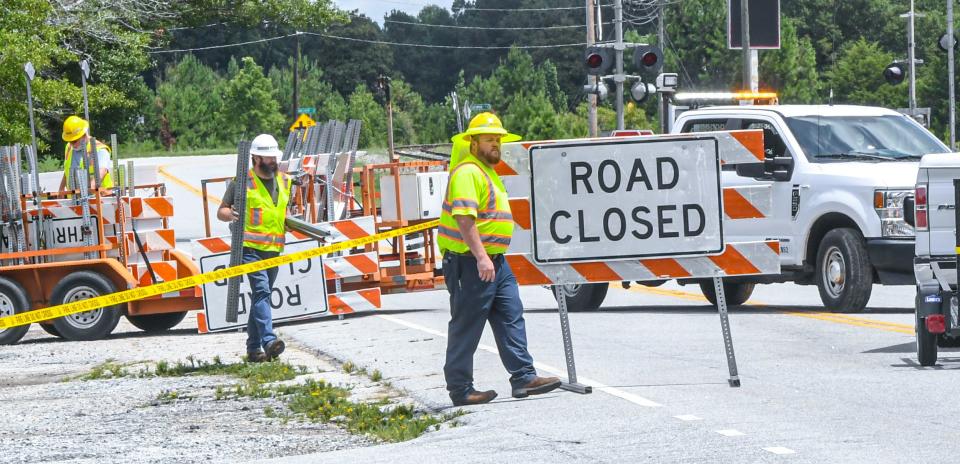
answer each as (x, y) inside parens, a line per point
(451, 26)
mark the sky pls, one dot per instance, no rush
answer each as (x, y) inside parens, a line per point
(377, 9)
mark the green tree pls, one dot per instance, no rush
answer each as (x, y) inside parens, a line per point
(792, 70)
(361, 105)
(249, 105)
(188, 97)
(857, 77)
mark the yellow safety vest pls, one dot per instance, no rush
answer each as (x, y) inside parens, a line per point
(106, 182)
(494, 220)
(263, 227)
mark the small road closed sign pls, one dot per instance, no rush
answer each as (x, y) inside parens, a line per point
(603, 200)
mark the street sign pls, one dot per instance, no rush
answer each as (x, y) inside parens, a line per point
(618, 200)
(480, 107)
(298, 292)
(307, 110)
(302, 122)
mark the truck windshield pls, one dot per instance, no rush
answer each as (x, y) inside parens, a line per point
(847, 138)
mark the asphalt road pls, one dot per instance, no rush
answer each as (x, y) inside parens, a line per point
(816, 387)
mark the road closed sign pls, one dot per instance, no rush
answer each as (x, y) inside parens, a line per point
(300, 290)
(626, 199)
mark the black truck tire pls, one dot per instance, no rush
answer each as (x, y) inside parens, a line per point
(736, 293)
(844, 274)
(154, 323)
(584, 297)
(926, 344)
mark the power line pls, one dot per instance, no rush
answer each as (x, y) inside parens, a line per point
(411, 23)
(377, 42)
(212, 47)
(533, 9)
(452, 47)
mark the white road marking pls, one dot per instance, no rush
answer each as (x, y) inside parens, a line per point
(730, 433)
(688, 417)
(635, 399)
(779, 450)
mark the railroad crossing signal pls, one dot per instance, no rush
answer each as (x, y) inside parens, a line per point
(598, 60)
(894, 74)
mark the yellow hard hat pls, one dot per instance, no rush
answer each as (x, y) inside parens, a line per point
(486, 123)
(74, 128)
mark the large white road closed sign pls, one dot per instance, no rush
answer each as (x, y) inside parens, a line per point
(602, 200)
(299, 291)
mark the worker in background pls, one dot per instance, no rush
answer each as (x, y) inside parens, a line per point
(76, 132)
(475, 230)
(268, 192)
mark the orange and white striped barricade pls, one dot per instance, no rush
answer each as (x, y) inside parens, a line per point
(300, 291)
(633, 209)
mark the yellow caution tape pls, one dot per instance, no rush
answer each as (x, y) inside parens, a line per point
(140, 293)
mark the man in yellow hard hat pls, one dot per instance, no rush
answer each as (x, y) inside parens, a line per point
(76, 132)
(475, 230)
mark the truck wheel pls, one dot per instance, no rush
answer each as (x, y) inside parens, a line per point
(13, 300)
(88, 325)
(926, 344)
(736, 293)
(844, 273)
(153, 323)
(584, 297)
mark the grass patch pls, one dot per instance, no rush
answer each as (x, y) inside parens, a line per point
(319, 401)
(349, 367)
(254, 372)
(170, 396)
(152, 149)
(108, 370)
(376, 376)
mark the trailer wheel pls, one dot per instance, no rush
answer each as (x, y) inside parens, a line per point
(736, 293)
(13, 300)
(926, 344)
(153, 323)
(50, 329)
(88, 325)
(584, 297)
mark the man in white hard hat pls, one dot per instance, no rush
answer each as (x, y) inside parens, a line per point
(268, 192)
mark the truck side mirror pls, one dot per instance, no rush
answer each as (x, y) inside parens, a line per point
(777, 169)
(909, 205)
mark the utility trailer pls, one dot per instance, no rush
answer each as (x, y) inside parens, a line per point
(69, 246)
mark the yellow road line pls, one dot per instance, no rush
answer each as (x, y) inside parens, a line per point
(162, 170)
(822, 316)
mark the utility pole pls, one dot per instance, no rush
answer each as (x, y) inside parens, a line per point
(662, 42)
(911, 58)
(592, 97)
(618, 47)
(384, 83)
(745, 43)
(950, 77)
(296, 77)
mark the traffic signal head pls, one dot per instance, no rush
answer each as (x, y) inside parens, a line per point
(894, 73)
(648, 58)
(598, 60)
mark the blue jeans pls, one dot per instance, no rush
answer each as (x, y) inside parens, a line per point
(260, 319)
(473, 302)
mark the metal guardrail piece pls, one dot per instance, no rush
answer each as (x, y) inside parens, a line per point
(236, 228)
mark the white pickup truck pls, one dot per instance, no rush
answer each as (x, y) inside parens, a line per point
(935, 214)
(839, 176)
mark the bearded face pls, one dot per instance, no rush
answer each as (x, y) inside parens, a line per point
(266, 165)
(486, 147)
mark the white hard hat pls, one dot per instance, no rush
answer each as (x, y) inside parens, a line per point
(265, 145)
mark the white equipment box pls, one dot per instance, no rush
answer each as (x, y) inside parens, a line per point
(421, 195)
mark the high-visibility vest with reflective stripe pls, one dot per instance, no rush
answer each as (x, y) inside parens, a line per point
(494, 220)
(263, 227)
(105, 182)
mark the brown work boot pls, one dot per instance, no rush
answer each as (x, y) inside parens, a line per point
(537, 386)
(476, 397)
(274, 348)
